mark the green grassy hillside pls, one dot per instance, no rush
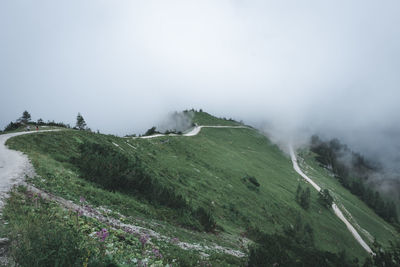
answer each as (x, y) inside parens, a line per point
(368, 224)
(204, 118)
(210, 170)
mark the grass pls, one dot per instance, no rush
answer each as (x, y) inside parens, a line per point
(208, 180)
(44, 234)
(208, 169)
(204, 118)
(69, 240)
(364, 216)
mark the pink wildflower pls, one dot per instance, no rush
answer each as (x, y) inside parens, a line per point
(102, 234)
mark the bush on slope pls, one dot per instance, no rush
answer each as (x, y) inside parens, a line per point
(114, 171)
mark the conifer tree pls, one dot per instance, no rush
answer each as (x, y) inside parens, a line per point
(26, 117)
(305, 198)
(80, 122)
(298, 193)
(325, 198)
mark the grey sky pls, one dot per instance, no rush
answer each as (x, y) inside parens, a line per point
(302, 66)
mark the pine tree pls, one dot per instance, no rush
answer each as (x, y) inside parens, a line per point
(309, 234)
(80, 122)
(325, 198)
(298, 193)
(151, 131)
(390, 212)
(26, 117)
(305, 198)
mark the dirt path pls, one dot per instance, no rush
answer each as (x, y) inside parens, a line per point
(14, 165)
(193, 132)
(335, 208)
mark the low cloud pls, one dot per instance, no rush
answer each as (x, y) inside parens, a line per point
(292, 68)
(176, 122)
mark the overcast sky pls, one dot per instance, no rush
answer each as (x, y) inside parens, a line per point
(330, 67)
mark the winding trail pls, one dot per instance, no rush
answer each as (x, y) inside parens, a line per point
(14, 165)
(196, 130)
(193, 132)
(335, 208)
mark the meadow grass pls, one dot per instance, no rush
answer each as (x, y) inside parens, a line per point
(208, 170)
(361, 214)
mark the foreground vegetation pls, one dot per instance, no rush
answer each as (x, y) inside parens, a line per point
(44, 234)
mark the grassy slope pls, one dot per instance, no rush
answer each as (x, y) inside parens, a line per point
(204, 118)
(360, 212)
(207, 169)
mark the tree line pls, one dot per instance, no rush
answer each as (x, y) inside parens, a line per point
(26, 120)
(303, 197)
(294, 246)
(353, 175)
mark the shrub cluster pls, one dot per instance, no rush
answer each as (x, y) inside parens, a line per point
(113, 170)
(12, 126)
(303, 197)
(388, 256)
(253, 180)
(205, 218)
(251, 183)
(151, 131)
(294, 247)
(325, 198)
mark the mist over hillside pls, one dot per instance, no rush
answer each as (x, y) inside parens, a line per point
(199, 133)
(293, 69)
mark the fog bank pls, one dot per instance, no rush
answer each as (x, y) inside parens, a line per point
(293, 67)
